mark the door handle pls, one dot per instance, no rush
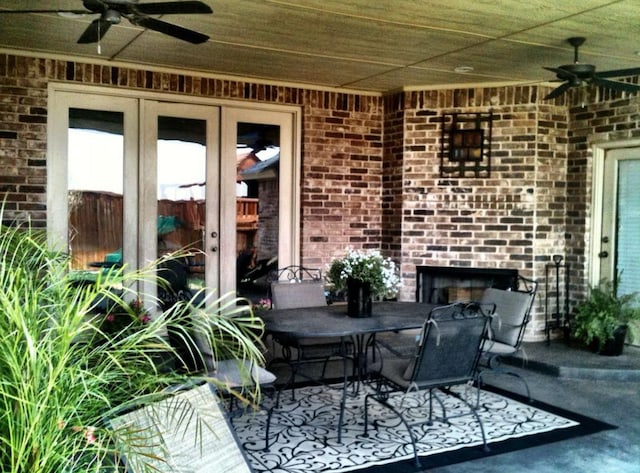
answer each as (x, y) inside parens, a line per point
(214, 248)
(603, 254)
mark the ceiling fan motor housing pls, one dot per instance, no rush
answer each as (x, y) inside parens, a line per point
(582, 71)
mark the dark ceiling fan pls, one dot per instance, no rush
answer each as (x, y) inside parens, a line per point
(112, 11)
(576, 74)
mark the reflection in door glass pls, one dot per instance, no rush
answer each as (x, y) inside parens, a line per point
(628, 227)
(258, 160)
(95, 187)
(181, 191)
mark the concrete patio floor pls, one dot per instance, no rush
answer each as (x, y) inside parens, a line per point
(605, 388)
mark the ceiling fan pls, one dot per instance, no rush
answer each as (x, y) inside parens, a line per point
(576, 74)
(112, 11)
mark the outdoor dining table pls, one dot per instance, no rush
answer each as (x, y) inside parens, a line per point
(332, 321)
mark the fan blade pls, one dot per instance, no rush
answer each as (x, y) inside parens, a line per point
(59, 12)
(634, 71)
(615, 85)
(558, 91)
(170, 29)
(95, 31)
(170, 8)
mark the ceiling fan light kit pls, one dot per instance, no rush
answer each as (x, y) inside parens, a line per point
(578, 74)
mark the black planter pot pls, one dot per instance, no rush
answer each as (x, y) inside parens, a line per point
(614, 345)
(359, 298)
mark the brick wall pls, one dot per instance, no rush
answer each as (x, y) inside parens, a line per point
(23, 118)
(370, 174)
(515, 218)
(599, 116)
(341, 156)
(342, 176)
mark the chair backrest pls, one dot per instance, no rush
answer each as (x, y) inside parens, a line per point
(511, 316)
(296, 287)
(450, 346)
(173, 282)
(295, 274)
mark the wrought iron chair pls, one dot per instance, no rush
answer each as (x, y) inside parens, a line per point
(507, 328)
(194, 352)
(297, 287)
(447, 354)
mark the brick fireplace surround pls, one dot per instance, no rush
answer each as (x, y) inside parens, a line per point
(370, 175)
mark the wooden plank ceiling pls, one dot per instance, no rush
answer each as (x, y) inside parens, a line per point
(365, 45)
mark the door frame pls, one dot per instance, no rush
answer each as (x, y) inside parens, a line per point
(61, 94)
(288, 183)
(57, 170)
(599, 153)
(147, 190)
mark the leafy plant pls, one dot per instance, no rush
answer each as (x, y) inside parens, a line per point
(366, 266)
(597, 317)
(62, 373)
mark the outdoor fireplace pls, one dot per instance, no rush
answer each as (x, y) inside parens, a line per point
(443, 284)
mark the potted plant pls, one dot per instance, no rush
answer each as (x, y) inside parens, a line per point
(602, 319)
(364, 274)
(64, 369)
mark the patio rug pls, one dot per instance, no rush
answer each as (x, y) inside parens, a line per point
(304, 432)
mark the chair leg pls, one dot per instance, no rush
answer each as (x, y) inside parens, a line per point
(268, 428)
(494, 366)
(412, 435)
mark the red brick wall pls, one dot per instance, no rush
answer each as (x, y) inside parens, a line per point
(598, 117)
(342, 175)
(370, 173)
(23, 141)
(341, 156)
(513, 219)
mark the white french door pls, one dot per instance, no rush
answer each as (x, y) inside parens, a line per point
(619, 244)
(616, 248)
(132, 177)
(179, 187)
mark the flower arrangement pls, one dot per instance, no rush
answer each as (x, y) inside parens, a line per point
(368, 266)
(122, 320)
(261, 306)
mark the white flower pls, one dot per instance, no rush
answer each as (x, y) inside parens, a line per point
(368, 266)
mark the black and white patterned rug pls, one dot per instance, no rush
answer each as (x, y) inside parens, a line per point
(303, 436)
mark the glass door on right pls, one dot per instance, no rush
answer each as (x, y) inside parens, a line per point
(619, 244)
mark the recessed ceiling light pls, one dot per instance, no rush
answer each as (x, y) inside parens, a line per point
(463, 69)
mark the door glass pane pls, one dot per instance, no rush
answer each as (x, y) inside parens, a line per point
(257, 185)
(628, 226)
(95, 187)
(181, 191)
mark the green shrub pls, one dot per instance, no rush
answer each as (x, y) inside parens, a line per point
(62, 374)
(597, 317)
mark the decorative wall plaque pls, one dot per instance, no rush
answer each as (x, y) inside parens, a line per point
(465, 147)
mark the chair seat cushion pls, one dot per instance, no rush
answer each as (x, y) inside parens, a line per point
(398, 370)
(497, 348)
(235, 373)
